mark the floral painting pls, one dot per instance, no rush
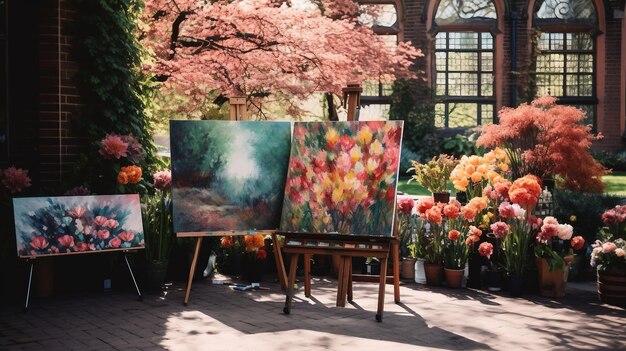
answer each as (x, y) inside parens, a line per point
(228, 175)
(342, 178)
(76, 224)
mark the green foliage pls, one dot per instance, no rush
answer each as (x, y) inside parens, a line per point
(114, 90)
(419, 136)
(434, 174)
(582, 210)
(462, 144)
(157, 226)
(615, 161)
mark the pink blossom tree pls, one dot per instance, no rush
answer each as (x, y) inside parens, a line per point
(265, 49)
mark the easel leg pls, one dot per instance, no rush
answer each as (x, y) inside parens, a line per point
(340, 281)
(293, 265)
(395, 256)
(381, 289)
(280, 263)
(192, 270)
(30, 279)
(350, 280)
(133, 277)
(345, 277)
(307, 275)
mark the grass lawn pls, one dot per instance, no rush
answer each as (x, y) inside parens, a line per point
(615, 185)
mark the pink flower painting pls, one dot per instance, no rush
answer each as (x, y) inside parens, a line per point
(342, 178)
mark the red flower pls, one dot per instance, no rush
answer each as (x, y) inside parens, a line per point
(451, 211)
(577, 242)
(66, 240)
(424, 204)
(103, 234)
(405, 205)
(485, 249)
(115, 242)
(454, 235)
(39, 243)
(81, 246)
(346, 142)
(433, 214)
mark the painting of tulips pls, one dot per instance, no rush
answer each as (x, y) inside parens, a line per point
(77, 224)
(342, 178)
(228, 175)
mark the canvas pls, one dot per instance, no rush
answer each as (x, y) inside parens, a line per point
(342, 178)
(228, 175)
(77, 224)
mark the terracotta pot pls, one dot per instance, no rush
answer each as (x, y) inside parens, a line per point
(454, 277)
(434, 272)
(551, 284)
(612, 288)
(407, 268)
(441, 197)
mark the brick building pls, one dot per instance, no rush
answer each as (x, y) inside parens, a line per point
(480, 55)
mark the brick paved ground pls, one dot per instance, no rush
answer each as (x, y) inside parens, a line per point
(218, 318)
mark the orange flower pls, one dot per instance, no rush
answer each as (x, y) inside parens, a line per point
(253, 242)
(525, 191)
(122, 178)
(434, 215)
(454, 235)
(451, 211)
(227, 242)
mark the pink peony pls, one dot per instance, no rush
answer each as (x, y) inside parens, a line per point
(77, 212)
(135, 151)
(405, 205)
(126, 236)
(565, 231)
(100, 220)
(163, 180)
(608, 247)
(39, 243)
(485, 249)
(619, 252)
(111, 223)
(500, 229)
(506, 210)
(115, 242)
(475, 231)
(112, 146)
(103, 234)
(66, 240)
(15, 179)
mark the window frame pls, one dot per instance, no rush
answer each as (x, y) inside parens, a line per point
(4, 91)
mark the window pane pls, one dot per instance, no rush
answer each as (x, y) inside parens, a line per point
(370, 88)
(486, 111)
(464, 11)
(567, 10)
(463, 40)
(440, 61)
(379, 14)
(463, 61)
(440, 115)
(374, 112)
(441, 84)
(486, 61)
(486, 86)
(462, 115)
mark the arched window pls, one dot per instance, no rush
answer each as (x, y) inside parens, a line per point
(565, 52)
(384, 18)
(464, 69)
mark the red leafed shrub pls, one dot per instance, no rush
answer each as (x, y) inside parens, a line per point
(547, 140)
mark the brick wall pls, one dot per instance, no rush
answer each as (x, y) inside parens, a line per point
(59, 95)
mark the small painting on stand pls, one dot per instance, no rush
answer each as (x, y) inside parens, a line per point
(342, 178)
(228, 175)
(77, 224)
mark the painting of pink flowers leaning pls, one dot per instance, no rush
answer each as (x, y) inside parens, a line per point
(75, 224)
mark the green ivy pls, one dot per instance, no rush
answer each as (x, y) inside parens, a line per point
(114, 89)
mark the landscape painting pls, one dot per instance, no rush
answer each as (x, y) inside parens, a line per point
(342, 178)
(228, 175)
(77, 224)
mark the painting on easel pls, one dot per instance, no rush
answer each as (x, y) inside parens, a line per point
(77, 224)
(228, 175)
(342, 178)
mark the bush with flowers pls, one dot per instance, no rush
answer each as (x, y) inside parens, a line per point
(547, 140)
(555, 242)
(13, 181)
(608, 253)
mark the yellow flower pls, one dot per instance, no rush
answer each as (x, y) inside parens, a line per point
(332, 136)
(356, 154)
(338, 194)
(376, 148)
(364, 136)
(371, 165)
(503, 167)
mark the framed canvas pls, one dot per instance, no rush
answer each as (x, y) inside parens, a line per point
(342, 178)
(228, 175)
(77, 224)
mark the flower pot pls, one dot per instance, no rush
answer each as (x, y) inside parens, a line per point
(407, 268)
(441, 197)
(433, 272)
(551, 284)
(516, 283)
(454, 277)
(420, 274)
(474, 265)
(155, 274)
(612, 288)
(494, 280)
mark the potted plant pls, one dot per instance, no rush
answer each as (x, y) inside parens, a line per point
(434, 175)
(157, 225)
(455, 256)
(429, 239)
(406, 227)
(609, 257)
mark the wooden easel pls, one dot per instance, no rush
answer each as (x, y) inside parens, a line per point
(238, 112)
(346, 247)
